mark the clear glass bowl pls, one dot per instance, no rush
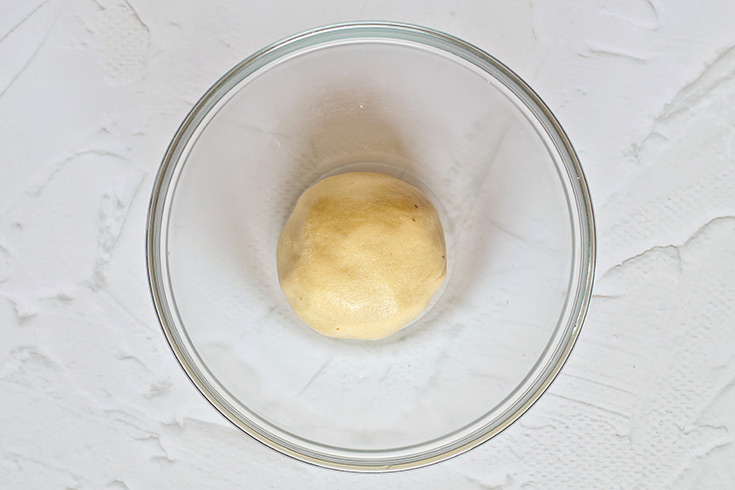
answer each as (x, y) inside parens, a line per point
(420, 105)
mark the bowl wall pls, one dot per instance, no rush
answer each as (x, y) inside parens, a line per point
(420, 106)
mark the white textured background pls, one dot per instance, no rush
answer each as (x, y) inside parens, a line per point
(91, 92)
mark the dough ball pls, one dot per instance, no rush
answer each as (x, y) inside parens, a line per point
(361, 255)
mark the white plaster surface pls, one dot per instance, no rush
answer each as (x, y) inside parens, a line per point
(91, 92)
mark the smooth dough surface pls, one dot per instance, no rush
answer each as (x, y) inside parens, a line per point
(361, 255)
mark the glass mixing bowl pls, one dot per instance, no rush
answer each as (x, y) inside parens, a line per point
(420, 105)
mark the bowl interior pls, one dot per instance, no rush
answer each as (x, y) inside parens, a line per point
(510, 207)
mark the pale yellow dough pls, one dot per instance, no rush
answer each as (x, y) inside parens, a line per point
(361, 255)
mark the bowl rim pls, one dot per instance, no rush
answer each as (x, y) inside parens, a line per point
(352, 30)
